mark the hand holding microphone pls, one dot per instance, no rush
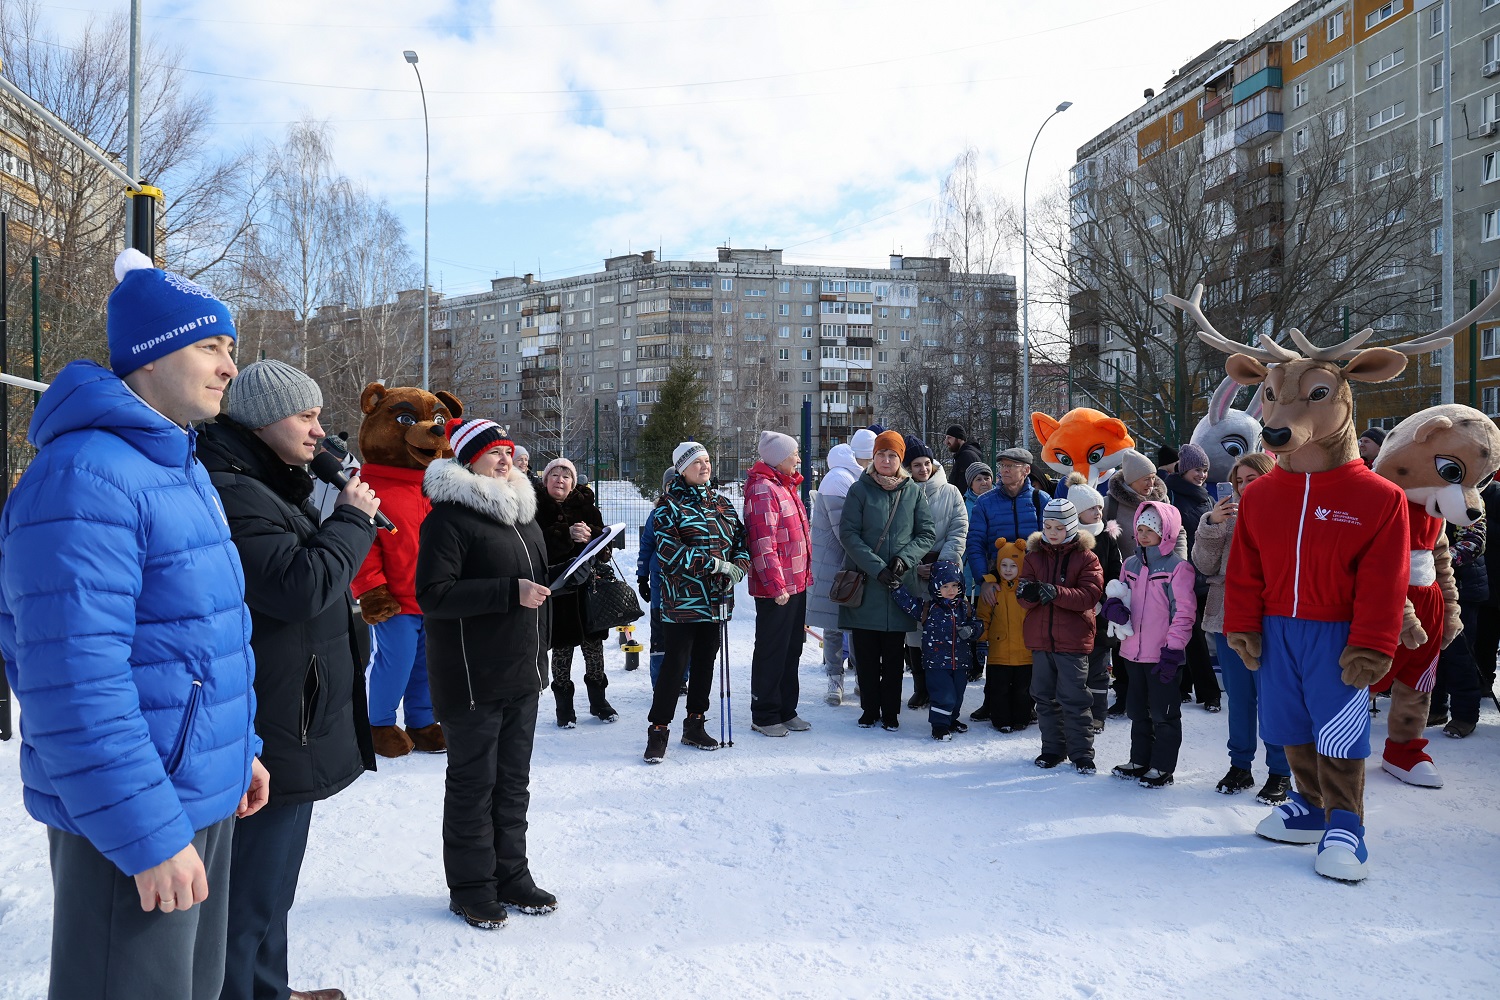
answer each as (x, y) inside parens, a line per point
(330, 470)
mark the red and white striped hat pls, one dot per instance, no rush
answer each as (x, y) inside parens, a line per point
(472, 438)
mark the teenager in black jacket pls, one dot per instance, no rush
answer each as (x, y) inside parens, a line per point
(482, 584)
(309, 652)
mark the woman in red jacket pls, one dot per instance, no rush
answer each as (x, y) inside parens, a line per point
(780, 545)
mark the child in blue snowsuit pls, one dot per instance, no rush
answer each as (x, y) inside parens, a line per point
(949, 626)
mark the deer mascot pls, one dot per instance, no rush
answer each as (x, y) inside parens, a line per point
(1441, 458)
(1318, 573)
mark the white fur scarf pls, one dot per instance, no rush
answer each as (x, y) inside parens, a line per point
(511, 500)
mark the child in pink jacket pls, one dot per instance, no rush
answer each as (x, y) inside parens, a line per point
(1160, 612)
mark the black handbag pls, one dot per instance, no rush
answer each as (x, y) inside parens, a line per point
(608, 602)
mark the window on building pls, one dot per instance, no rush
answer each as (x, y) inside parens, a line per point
(1385, 64)
(1304, 185)
(1386, 115)
(1435, 131)
(1489, 107)
(1299, 94)
(1299, 141)
(1487, 280)
(1489, 168)
(1489, 345)
(1383, 13)
(726, 307)
(807, 377)
(786, 287)
(1299, 48)
(1490, 399)
(1435, 240)
(1177, 121)
(807, 333)
(1489, 226)
(1336, 75)
(1336, 26)
(1338, 122)
(783, 309)
(1492, 48)
(1436, 69)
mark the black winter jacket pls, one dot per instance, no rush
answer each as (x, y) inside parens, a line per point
(555, 518)
(966, 455)
(480, 540)
(309, 652)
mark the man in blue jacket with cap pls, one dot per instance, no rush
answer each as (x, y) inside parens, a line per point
(127, 642)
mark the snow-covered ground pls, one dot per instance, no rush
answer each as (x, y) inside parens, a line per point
(858, 863)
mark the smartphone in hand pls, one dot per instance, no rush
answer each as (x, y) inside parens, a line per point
(1223, 491)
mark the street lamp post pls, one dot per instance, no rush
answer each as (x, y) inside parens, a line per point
(619, 436)
(923, 387)
(1026, 286)
(738, 472)
(411, 57)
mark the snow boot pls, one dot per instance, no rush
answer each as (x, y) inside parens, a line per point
(1409, 762)
(390, 741)
(656, 743)
(1084, 765)
(1274, 791)
(529, 899)
(797, 724)
(1437, 717)
(1237, 780)
(835, 695)
(919, 698)
(1131, 771)
(1341, 851)
(599, 706)
(980, 714)
(563, 692)
(868, 720)
(942, 733)
(1047, 761)
(1295, 821)
(891, 726)
(1458, 728)
(959, 727)
(694, 735)
(428, 739)
(1155, 779)
(486, 916)
(1117, 709)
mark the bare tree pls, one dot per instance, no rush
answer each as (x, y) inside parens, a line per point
(1310, 240)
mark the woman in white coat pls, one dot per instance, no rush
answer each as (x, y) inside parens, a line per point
(828, 556)
(950, 522)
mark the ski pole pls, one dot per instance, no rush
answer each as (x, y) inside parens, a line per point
(726, 695)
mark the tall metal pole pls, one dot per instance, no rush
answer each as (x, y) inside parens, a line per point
(1449, 355)
(133, 115)
(36, 326)
(806, 452)
(411, 57)
(5, 727)
(1023, 436)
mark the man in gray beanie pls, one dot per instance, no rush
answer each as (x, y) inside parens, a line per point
(297, 579)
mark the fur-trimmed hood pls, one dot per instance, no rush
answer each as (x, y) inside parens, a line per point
(1083, 539)
(511, 500)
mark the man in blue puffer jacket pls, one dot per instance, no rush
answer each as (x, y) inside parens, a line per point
(127, 641)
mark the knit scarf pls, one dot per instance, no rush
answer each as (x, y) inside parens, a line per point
(889, 483)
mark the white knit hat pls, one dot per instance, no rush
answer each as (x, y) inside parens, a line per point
(686, 454)
(1085, 496)
(863, 443)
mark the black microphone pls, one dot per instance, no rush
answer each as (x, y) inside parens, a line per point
(329, 470)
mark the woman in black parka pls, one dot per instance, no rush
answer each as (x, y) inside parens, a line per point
(482, 585)
(310, 649)
(569, 518)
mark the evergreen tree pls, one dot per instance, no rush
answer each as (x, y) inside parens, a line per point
(677, 417)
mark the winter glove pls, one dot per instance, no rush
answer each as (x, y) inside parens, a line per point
(967, 632)
(730, 570)
(1115, 612)
(1246, 646)
(643, 587)
(1413, 635)
(891, 580)
(1046, 593)
(1026, 591)
(898, 567)
(981, 657)
(1166, 667)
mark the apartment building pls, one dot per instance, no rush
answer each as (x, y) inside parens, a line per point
(546, 357)
(1346, 96)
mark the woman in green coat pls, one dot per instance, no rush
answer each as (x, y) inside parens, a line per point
(884, 494)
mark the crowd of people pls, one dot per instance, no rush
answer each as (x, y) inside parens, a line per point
(178, 622)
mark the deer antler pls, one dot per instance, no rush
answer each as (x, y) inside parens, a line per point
(1268, 351)
(1442, 338)
(1338, 352)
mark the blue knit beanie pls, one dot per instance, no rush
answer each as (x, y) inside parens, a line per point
(154, 312)
(944, 572)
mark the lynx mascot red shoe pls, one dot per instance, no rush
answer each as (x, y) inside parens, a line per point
(1441, 458)
(1317, 574)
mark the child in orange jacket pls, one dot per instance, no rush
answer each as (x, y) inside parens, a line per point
(1007, 686)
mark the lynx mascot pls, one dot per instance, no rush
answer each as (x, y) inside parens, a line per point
(1317, 575)
(1441, 458)
(1225, 433)
(1084, 441)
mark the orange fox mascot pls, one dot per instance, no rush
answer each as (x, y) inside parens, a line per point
(1084, 441)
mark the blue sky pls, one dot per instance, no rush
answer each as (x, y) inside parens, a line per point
(566, 130)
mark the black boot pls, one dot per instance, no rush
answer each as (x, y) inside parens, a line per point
(527, 898)
(599, 706)
(486, 916)
(656, 743)
(563, 692)
(694, 735)
(919, 697)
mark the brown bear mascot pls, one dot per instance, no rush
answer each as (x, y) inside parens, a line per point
(402, 433)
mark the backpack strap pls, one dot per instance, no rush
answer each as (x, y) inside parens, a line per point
(1039, 505)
